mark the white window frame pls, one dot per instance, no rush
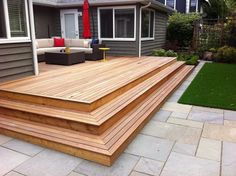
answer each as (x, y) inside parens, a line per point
(154, 21)
(113, 13)
(8, 38)
(174, 4)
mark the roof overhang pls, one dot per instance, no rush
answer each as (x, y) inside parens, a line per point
(72, 3)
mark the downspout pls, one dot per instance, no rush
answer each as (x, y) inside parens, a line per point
(140, 27)
(32, 31)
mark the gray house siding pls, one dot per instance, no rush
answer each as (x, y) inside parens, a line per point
(15, 61)
(93, 22)
(160, 34)
(47, 21)
(118, 48)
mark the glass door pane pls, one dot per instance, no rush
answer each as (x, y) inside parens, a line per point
(70, 31)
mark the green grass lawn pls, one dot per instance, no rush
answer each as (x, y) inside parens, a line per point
(214, 86)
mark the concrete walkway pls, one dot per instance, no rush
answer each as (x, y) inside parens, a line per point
(180, 140)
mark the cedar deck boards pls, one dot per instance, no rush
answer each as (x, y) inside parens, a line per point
(135, 88)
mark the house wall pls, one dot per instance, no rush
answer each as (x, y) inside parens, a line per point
(122, 48)
(47, 21)
(118, 48)
(160, 34)
(15, 61)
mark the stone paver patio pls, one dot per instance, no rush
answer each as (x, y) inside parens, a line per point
(180, 140)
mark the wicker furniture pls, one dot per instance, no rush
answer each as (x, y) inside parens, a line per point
(62, 58)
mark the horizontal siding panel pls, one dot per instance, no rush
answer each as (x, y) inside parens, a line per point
(10, 51)
(15, 64)
(121, 48)
(21, 56)
(14, 71)
(15, 61)
(160, 34)
(17, 76)
(15, 45)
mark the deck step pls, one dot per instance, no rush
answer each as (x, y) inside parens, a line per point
(90, 99)
(98, 120)
(103, 148)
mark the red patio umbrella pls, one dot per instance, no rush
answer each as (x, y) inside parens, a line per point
(86, 20)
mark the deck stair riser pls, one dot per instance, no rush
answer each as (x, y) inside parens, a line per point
(98, 121)
(83, 106)
(104, 132)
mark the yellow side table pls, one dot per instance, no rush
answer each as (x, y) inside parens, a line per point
(104, 53)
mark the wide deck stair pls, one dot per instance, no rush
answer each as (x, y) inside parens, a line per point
(97, 128)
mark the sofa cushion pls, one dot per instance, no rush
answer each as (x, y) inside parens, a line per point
(45, 43)
(86, 50)
(59, 42)
(41, 51)
(76, 43)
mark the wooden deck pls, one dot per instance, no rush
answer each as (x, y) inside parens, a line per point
(90, 110)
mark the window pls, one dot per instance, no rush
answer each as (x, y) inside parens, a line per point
(117, 23)
(3, 33)
(17, 18)
(124, 23)
(148, 17)
(170, 3)
(13, 20)
(193, 5)
(106, 17)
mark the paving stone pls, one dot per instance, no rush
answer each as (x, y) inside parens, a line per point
(184, 165)
(229, 159)
(209, 149)
(23, 147)
(219, 132)
(206, 109)
(4, 139)
(230, 115)
(49, 162)
(171, 106)
(10, 159)
(149, 166)
(12, 173)
(161, 115)
(75, 174)
(183, 122)
(187, 149)
(122, 167)
(204, 116)
(181, 115)
(230, 123)
(179, 133)
(150, 147)
(134, 173)
(173, 98)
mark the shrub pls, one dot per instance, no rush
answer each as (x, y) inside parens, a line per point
(159, 52)
(180, 28)
(226, 54)
(162, 52)
(190, 59)
(170, 53)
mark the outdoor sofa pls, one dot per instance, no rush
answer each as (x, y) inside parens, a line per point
(92, 52)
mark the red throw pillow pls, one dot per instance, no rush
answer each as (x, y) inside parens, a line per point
(59, 42)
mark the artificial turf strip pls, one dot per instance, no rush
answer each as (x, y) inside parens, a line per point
(214, 86)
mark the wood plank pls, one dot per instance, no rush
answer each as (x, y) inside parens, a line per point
(35, 90)
(114, 140)
(95, 122)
